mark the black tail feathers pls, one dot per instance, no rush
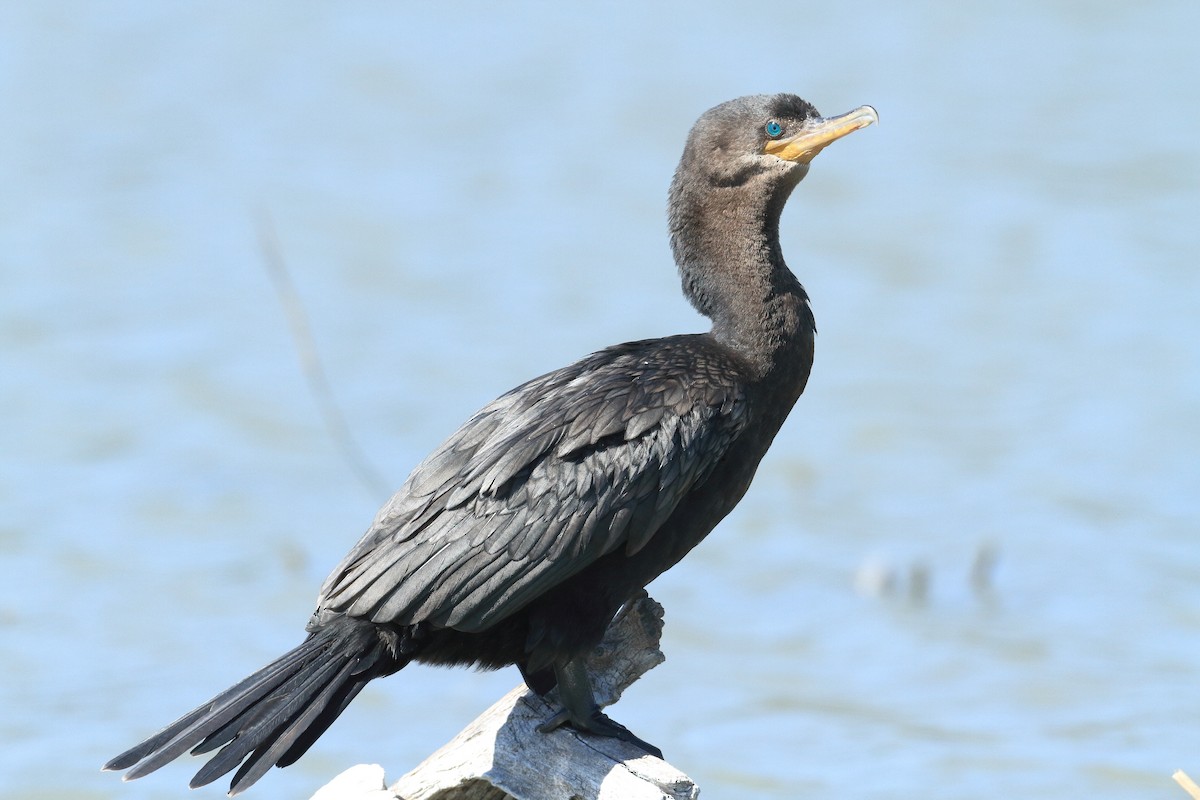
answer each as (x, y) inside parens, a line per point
(275, 715)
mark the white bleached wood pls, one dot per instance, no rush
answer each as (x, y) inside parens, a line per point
(501, 755)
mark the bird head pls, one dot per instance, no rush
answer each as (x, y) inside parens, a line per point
(776, 134)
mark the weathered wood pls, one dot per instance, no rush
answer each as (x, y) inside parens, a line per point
(502, 756)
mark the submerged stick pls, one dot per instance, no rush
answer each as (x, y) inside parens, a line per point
(310, 363)
(1187, 783)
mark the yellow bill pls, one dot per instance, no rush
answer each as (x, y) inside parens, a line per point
(816, 134)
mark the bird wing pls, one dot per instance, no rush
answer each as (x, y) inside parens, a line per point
(542, 482)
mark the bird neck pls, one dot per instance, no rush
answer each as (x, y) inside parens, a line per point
(726, 245)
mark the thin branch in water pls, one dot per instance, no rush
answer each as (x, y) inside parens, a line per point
(310, 364)
(1187, 783)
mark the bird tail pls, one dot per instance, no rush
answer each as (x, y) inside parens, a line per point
(275, 715)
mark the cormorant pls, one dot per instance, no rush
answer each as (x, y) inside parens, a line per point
(518, 539)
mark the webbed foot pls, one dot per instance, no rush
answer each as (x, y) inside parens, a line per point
(598, 724)
(581, 712)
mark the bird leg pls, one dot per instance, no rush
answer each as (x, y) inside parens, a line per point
(580, 710)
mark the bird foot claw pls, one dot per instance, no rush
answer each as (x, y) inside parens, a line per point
(598, 724)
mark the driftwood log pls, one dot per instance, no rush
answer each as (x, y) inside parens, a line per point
(502, 756)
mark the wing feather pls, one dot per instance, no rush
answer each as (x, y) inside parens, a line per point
(541, 483)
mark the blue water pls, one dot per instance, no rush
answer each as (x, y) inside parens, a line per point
(1005, 278)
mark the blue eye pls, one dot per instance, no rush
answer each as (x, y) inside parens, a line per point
(774, 129)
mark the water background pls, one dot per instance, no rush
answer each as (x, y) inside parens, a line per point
(1005, 276)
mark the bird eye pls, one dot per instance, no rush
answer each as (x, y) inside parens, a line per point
(774, 129)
